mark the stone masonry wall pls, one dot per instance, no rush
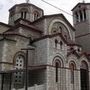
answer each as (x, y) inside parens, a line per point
(10, 49)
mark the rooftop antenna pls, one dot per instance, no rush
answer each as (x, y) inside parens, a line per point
(27, 1)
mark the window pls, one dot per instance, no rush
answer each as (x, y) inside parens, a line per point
(81, 17)
(77, 17)
(57, 66)
(36, 15)
(61, 43)
(84, 14)
(59, 27)
(19, 64)
(23, 14)
(78, 49)
(72, 67)
(84, 76)
(56, 42)
(57, 62)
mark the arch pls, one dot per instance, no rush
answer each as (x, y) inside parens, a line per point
(36, 15)
(72, 67)
(56, 20)
(76, 17)
(24, 12)
(17, 54)
(57, 62)
(72, 58)
(58, 59)
(84, 12)
(24, 9)
(84, 65)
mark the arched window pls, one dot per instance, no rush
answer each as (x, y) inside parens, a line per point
(19, 64)
(57, 65)
(56, 42)
(84, 76)
(72, 68)
(77, 17)
(81, 16)
(24, 12)
(36, 15)
(84, 11)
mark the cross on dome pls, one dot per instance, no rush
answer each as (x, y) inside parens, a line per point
(27, 1)
(83, 1)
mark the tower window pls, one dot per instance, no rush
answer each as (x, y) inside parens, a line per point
(23, 14)
(84, 14)
(77, 17)
(81, 17)
(36, 15)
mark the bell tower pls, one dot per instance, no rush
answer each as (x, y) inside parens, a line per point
(81, 21)
(25, 11)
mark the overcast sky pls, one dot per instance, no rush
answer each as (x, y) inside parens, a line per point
(66, 5)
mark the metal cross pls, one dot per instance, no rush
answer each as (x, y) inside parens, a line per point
(83, 1)
(27, 1)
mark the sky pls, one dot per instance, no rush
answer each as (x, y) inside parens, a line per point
(65, 5)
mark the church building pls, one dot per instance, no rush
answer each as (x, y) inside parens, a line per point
(45, 52)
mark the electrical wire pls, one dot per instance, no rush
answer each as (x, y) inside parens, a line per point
(57, 7)
(60, 9)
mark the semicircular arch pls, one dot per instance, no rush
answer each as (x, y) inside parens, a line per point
(20, 53)
(84, 65)
(59, 60)
(62, 22)
(72, 63)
